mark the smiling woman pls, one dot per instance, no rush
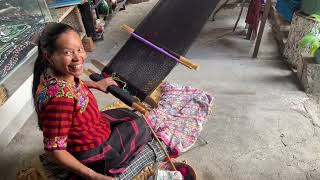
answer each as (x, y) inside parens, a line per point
(89, 143)
(67, 61)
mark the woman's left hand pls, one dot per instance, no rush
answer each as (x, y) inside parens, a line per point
(103, 84)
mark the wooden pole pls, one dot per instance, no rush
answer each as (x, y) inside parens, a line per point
(261, 29)
(163, 149)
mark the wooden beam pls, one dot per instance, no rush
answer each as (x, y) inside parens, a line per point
(261, 29)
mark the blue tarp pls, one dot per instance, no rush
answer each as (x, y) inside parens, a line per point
(286, 8)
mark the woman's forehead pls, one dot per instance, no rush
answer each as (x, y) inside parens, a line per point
(69, 39)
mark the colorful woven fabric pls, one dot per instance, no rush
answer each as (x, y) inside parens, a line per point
(180, 115)
(69, 116)
(50, 87)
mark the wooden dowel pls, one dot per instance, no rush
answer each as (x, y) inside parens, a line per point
(139, 108)
(182, 60)
(87, 72)
(163, 149)
(91, 71)
(127, 28)
(189, 63)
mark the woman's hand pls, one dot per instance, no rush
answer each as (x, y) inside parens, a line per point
(103, 84)
(68, 161)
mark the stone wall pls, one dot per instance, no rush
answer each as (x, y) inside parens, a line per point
(309, 75)
(300, 25)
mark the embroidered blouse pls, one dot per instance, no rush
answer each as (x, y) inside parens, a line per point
(69, 115)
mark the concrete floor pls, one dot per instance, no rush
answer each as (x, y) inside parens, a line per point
(263, 126)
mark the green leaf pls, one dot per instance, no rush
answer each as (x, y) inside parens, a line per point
(308, 39)
(316, 17)
(314, 47)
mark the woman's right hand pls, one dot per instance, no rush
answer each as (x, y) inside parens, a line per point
(98, 176)
(103, 84)
(70, 162)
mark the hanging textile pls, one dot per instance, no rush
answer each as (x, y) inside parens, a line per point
(253, 16)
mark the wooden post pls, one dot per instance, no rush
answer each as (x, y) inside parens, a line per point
(261, 29)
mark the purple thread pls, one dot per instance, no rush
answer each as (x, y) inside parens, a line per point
(154, 46)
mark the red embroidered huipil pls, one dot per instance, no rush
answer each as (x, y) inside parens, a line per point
(69, 116)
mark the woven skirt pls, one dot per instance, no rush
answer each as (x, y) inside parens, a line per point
(129, 133)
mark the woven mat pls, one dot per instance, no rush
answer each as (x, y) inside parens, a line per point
(3, 95)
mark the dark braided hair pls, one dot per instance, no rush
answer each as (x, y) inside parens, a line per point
(46, 44)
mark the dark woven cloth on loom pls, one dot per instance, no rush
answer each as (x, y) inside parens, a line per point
(172, 23)
(129, 133)
(151, 153)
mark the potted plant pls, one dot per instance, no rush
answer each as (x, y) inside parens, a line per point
(312, 41)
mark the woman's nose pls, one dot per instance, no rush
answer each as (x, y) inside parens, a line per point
(76, 57)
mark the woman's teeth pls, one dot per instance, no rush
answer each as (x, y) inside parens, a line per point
(76, 67)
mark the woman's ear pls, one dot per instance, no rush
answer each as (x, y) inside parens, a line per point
(46, 57)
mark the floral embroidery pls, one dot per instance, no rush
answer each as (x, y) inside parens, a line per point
(53, 91)
(81, 102)
(41, 98)
(50, 87)
(55, 143)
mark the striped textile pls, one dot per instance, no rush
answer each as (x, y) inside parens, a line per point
(69, 116)
(129, 134)
(150, 154)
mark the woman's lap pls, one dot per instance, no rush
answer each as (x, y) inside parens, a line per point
(128, 135)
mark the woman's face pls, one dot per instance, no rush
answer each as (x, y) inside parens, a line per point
(68, 59)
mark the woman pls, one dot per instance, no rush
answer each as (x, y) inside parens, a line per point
(79, 137)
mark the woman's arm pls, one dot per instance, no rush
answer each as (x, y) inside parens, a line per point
(64, 158)
(101, 85)
(90, 84)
